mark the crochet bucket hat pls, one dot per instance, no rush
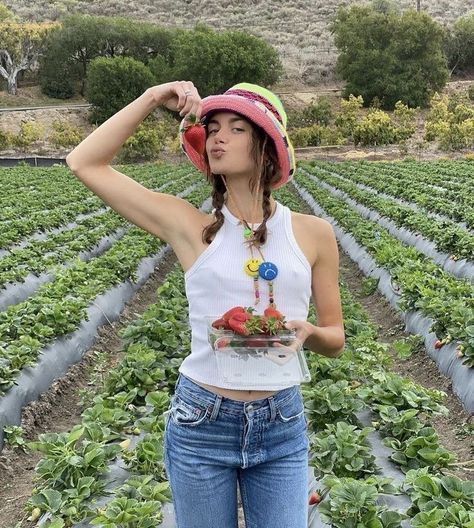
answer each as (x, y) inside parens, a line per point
(259, 105)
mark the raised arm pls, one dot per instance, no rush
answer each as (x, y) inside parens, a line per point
(90, 162)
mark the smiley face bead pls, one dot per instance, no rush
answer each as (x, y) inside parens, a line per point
(252, 267)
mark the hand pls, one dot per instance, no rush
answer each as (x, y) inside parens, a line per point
(172, 96)
(303, 330)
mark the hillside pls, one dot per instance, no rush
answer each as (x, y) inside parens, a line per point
(298, 29)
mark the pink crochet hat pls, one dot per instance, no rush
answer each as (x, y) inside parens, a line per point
(262, 107)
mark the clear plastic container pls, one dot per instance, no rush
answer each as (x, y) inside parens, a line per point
(258, 360)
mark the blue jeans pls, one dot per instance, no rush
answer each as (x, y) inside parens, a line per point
(212, 443)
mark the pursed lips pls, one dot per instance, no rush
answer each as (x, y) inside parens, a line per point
(217, 152)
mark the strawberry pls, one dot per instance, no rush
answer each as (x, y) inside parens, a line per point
(232, 311)
(241, 316)
(223, 342)
(273, 312)
(438, 344)
(239, 327)
(220, 324)
(314, 498)
(195, 134)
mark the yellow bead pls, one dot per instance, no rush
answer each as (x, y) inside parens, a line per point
(251, 267)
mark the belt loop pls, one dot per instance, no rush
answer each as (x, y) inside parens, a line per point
(216, 407)
(271, 401)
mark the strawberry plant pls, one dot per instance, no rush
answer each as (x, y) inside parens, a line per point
(147, 457)
(332, 402)
(353, 504)
(420, 451)
(343, 450)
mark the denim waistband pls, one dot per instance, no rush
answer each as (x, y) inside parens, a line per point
(188, 387)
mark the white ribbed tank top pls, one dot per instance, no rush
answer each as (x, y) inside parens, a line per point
(217, 282)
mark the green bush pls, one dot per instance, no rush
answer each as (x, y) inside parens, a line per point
(347, 118)
(56, 73)
(216, 61)
(470, 92)
(451, 122)
(29, 133)
(316, 113)
(375, 129)
(114, 83)
(389, 55)
(7, 139)
(316, 135)
(150, 139)
(405, 119)
(65, 135)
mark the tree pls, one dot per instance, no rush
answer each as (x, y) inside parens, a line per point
(460, 44)
(389, 56)
(216, 61)
(114, 83)
(82, 38)
(20, 46)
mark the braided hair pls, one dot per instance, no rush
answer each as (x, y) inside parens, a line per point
(268, 173)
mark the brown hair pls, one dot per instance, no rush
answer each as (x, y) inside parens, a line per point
(269, 172)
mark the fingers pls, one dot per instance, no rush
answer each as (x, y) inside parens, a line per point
(188, 103)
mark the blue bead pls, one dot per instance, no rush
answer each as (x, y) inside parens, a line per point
(268, 271)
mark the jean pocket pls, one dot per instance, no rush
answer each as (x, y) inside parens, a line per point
(291, 410)
(184, 413)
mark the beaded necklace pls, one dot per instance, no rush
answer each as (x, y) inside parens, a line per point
(255, 267)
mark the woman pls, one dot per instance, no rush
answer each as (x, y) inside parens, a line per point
(218, 434)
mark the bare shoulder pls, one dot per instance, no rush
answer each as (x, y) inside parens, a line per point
(314, 225)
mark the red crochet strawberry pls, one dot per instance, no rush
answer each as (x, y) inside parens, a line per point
(195, 134)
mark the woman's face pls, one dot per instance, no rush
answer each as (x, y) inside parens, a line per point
(228, 144)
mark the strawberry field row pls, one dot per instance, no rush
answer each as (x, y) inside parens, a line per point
(425, 286)
(440, 172)
(43, 220)
(390, 182)
(59, 307)
(37, 256)
(448, 235)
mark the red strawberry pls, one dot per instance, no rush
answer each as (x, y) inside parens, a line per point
(223, 342)
(273, 312)
(195, 134)
(438, 344)
(220, 324)
(232, 311)
(314, 498)
(238, 327)
(241, 316)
